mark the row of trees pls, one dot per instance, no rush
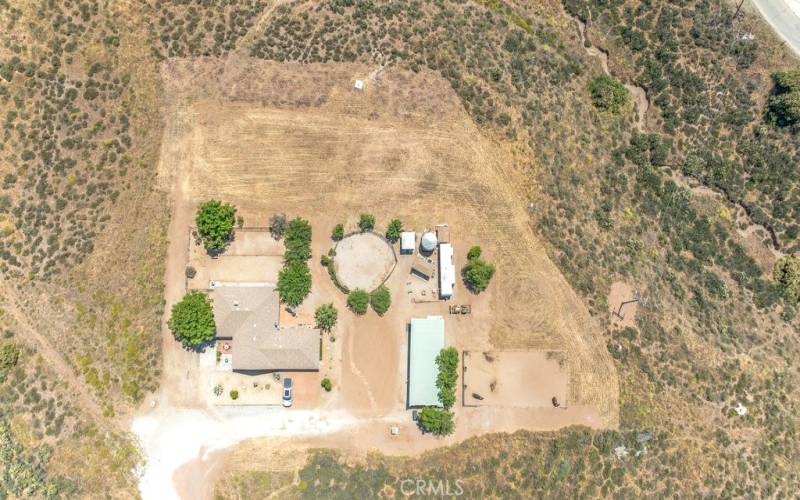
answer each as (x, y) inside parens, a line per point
(439, 421)
(294, 280)
(366, 222)
(359, 299)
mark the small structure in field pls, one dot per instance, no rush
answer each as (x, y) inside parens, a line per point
(408, 242)
(248, 321)
(423, 267)
(359, 85)
(428, 242)
(447, 271)
(425, 341)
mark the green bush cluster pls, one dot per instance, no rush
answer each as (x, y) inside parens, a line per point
(294, 280)
(326, 316)
(393, 230)
(784, 103)
(358, 301)
(609, 94)
(380, 299)
(447, 363)
(477, 272)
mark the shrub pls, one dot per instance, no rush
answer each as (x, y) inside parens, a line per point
(394, 230)
(326, 316)
(477, 274)
(608, 94)
(784, 103)
(366, 222)
(474, 253)
(191, 272)
(294, 282)
(218, 390)
(327, 384)
(192, 319)
(338, 232)
(358, 300)
(215, 224)
(277, 225)
(297, 240)
(9, 356)
(380, 299)
(234, 394)
(787, 274)
(447, 362)
(436, 421)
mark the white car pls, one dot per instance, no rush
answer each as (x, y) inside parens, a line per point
(287, 392)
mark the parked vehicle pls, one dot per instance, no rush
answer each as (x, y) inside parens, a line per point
(287, 392)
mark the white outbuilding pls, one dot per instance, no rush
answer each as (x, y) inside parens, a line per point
(447, 271)
(408, 241)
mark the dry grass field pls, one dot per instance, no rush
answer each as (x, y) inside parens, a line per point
(270, 137)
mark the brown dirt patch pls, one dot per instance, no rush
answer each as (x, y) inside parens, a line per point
(363, 260)
(270, 137)
(622, 315)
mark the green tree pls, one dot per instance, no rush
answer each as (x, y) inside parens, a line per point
(447, 362)
(787, 274)
(9, 357)
(477, 274)
(394, 230)
(192, 319)
(215, 222)
(297, 240)
(436, 421)
(608, 94)
(338, 232)
(234, 394)
(474, 253)
(784, 103)
(294, 282)
(366, 222)
(326, 316)
(380, 299)
(358, 301)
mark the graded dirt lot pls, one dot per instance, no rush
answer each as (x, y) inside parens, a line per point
(282, 138)
(299, 140)
(363, 261)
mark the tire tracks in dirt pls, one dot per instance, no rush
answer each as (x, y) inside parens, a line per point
(54, 359)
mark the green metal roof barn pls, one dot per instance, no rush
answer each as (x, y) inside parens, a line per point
(425, 341)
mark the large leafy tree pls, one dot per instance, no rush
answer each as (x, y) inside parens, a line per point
(358, 300)
(297, 240)
(215, 222)
(436, 420)
(192, 319)
(394, 230)
(380, 299)
(294, 282)
(608, 94)
(784, 103)
(326, 316)
(477, 273)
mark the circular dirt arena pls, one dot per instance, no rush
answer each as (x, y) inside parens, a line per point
(363, 261)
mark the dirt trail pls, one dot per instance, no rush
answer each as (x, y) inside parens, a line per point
(638, 93)
(54, 359)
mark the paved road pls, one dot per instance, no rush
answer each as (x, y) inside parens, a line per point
(784, 17)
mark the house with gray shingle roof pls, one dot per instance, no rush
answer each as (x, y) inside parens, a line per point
(248, 315)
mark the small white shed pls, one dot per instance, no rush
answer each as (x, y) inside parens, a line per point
(359, 85)
(408, 241)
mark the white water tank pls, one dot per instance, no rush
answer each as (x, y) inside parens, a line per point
(428, 242)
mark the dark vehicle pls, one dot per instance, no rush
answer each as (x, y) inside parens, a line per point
(287, 392)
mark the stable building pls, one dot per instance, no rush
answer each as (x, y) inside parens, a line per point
(425, 342)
